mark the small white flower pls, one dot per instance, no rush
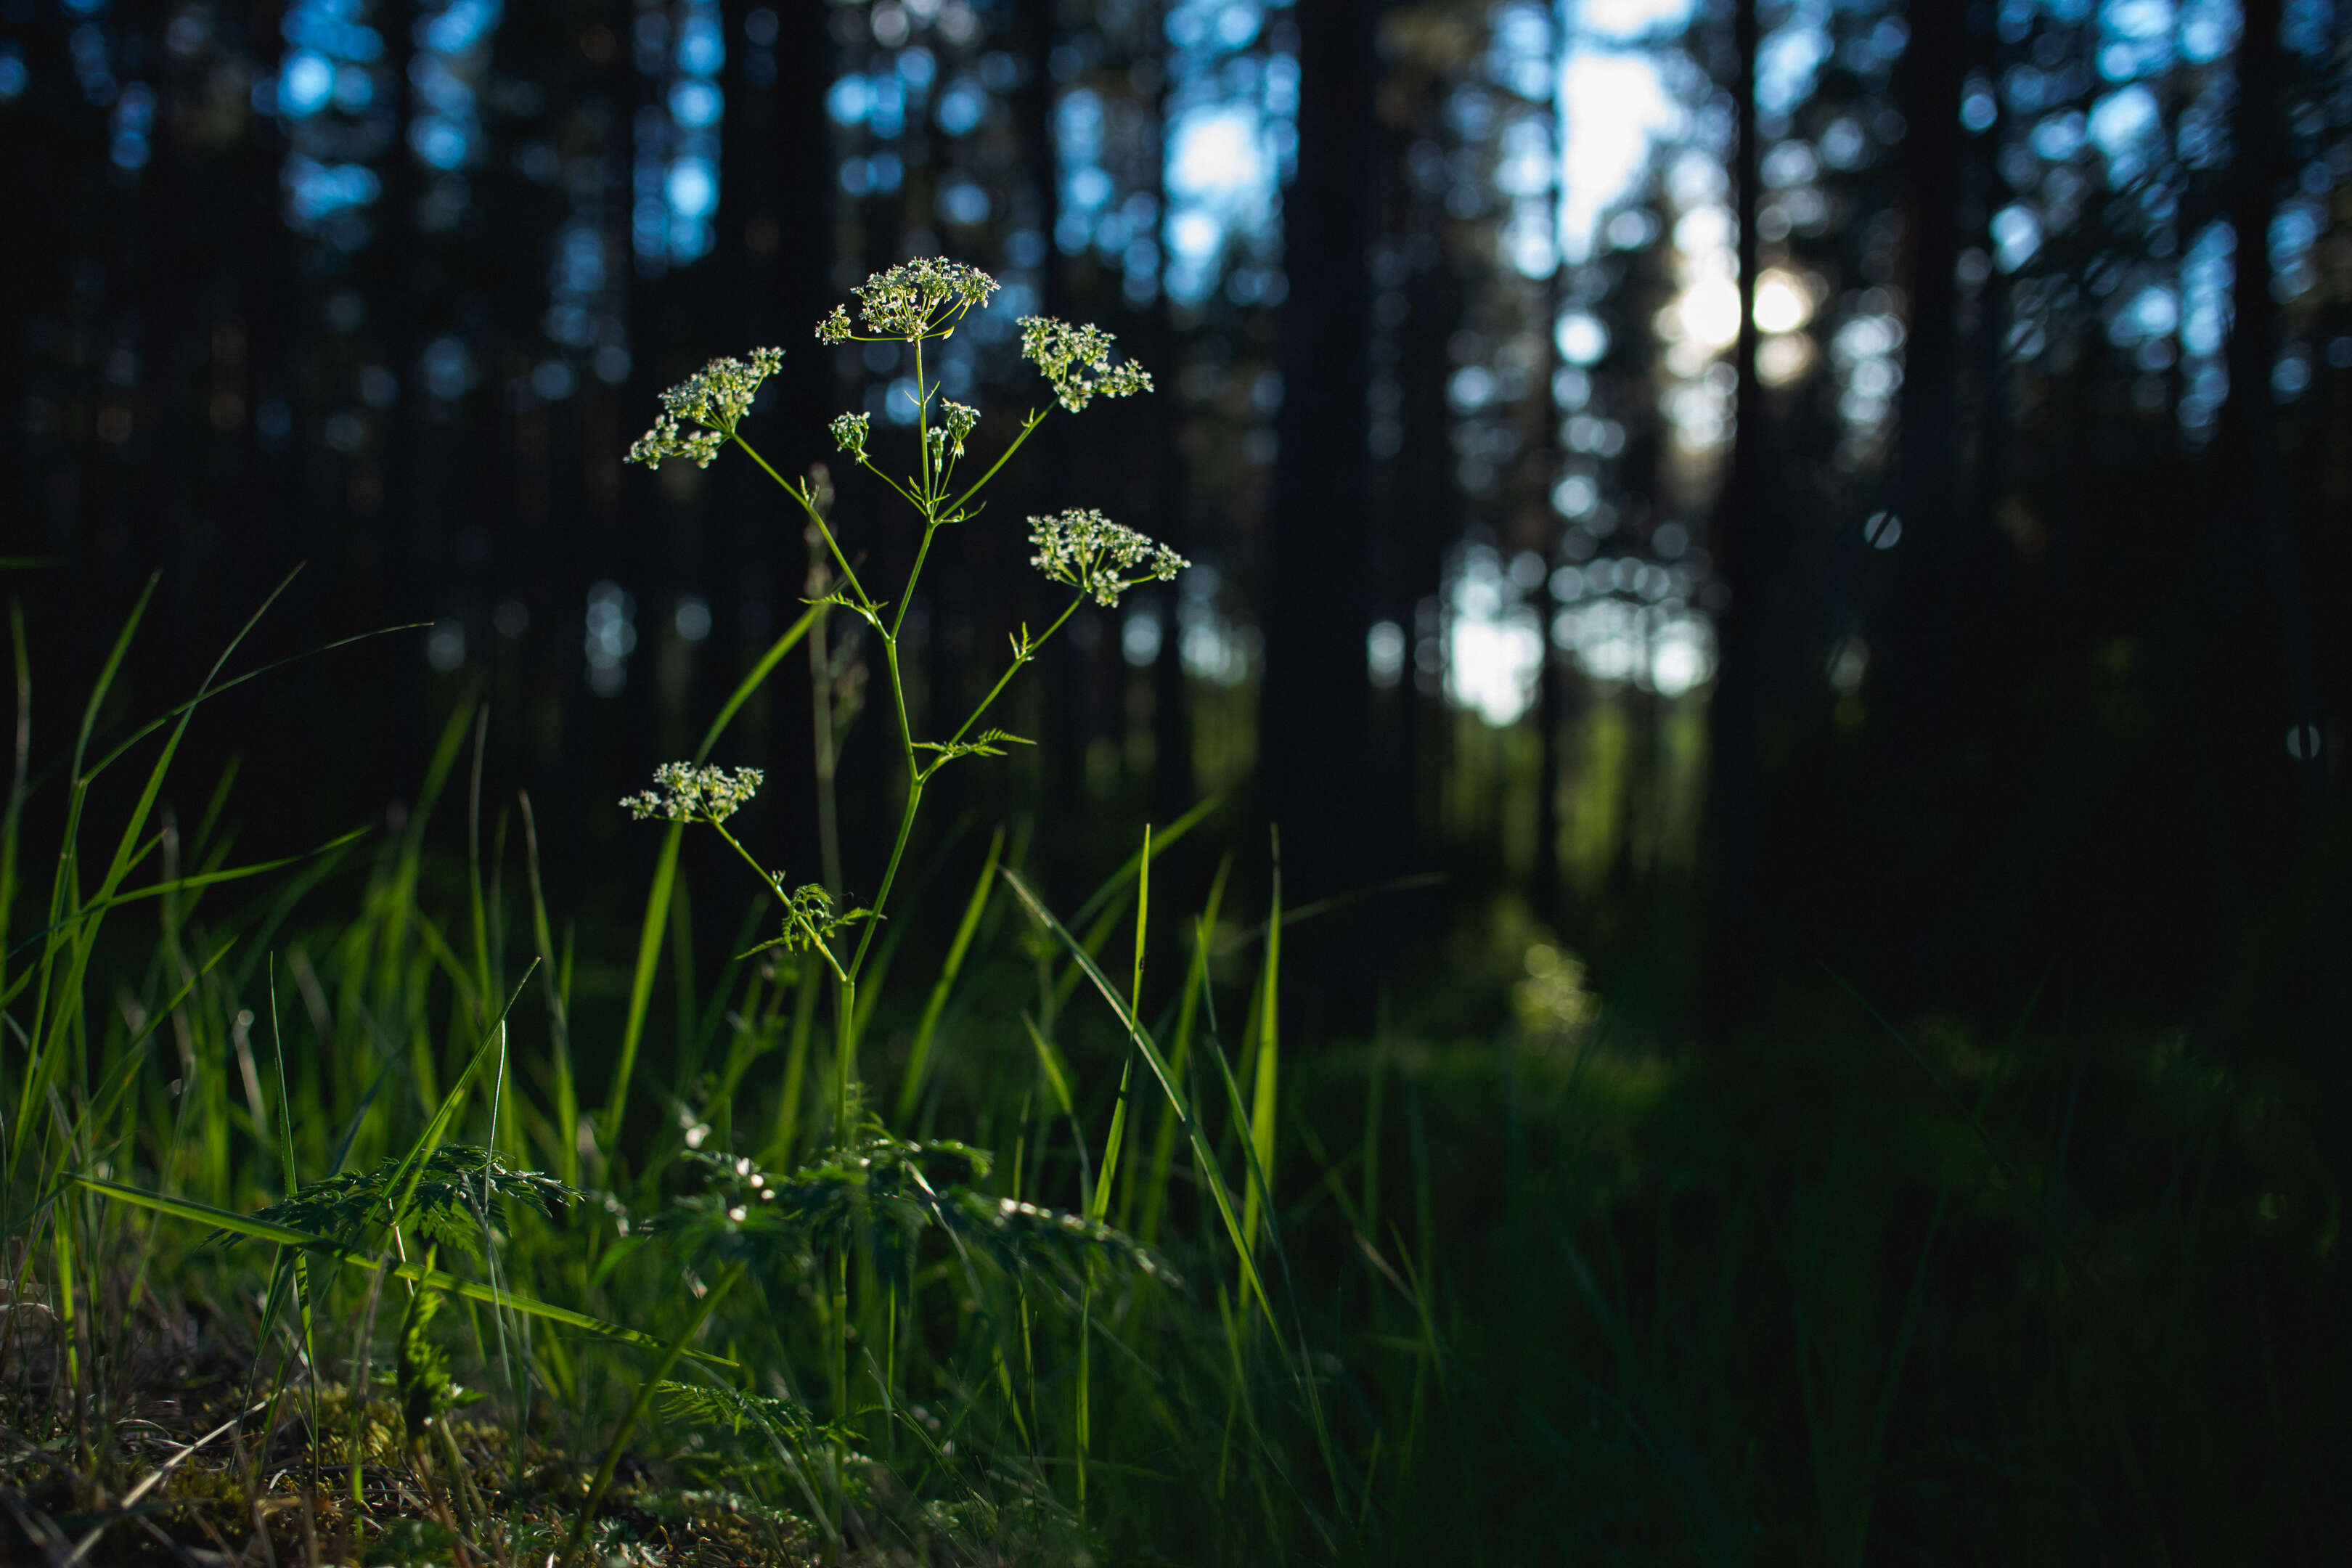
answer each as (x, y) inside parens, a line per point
(1076, 359)
(704, 409)
(850, 432)
(912, 300)
(956, 422)
(684, 792)
(1087, 551)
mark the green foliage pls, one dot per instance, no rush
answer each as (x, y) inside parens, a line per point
(427, 1389)
(879, 1196)
(447, 1205)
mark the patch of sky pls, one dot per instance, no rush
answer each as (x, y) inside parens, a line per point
(2208, 29)
(2208, 272)
(332, 28)
(332, 66)
(2128, 126)
(2304, 27)
(1494, 642)
(317, 191)
(2058, 137)
(963, 202)
(448, 367)
(1631, 21)
(452, 60)
(961, 108)
(1231, 141)
(1618, 110)
(1520, 52)
(2295, 229)
(676, 181)
(1790, 57)
(132, 121)
(2152, 312)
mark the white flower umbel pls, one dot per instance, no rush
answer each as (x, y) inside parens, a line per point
(704, 409)
(913, 300)
(684, 792)
(1076, 359)
(1085, 550)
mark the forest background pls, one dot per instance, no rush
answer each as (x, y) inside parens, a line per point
(1786, 545)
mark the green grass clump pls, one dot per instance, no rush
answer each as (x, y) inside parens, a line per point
(450, 1311)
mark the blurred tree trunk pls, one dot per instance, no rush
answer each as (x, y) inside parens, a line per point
(1753, 548)
(2255, 499)
(1314, 721)
(1550, 677)
(1064, 673)
(776, 239)
(1173, 782)
(1925, 763)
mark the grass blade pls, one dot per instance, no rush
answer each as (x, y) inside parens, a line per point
(1169, 1084)
(656, 917)
(254, 1229)
(1266, 1089)
(919, 1055)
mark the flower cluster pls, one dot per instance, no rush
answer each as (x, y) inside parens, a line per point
(960, 420)
(1087, 551)
(956, 422)
(1076, 359)
(684, 792)
(703, 410)
(668, 438)
(912, 300)
(849, 432)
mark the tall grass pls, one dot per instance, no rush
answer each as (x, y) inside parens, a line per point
(289, 1219)
(974, 1233)
(1486, 1287)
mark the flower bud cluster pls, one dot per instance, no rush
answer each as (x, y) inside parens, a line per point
(960, 419)
(1076, 359)
(946, 439)
(850, 432)
(703, 410)
(1087, 551)
(684, 792)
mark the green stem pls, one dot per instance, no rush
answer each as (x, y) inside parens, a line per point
(1028, 426)
(923, 553)
(889, 875)
(845, 1053)
(848, 573)
(922, 440)
(815, 936)
(904, 493)
(1028, 654)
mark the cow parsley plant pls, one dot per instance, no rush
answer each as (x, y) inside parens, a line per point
(1079, 550)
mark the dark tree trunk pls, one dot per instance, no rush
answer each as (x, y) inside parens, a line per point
(1921, 753)
(776, 225)
(1753, 548)
(1173, 782)
(2256, 507)
(1064, 663)
(1550, 677)
(1314, 728)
